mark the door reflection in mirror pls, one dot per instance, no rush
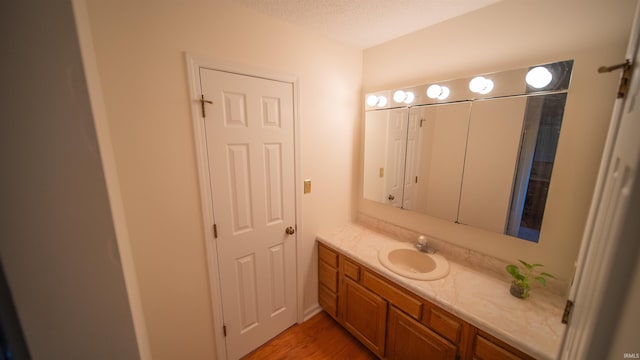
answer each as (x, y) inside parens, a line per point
(495, 129)
(436, 145)
(384, 159)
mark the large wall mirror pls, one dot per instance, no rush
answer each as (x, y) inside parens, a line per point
(477, 151)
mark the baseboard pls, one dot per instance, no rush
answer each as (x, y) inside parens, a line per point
(310, 312)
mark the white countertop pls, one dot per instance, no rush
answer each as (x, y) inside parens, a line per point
(476, 296)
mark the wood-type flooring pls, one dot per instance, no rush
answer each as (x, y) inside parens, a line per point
(318, 338)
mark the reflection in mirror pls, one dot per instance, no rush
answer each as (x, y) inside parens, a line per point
(384, 155)
(542, 122)
(495, 128)
(436, 144)
(478, 158)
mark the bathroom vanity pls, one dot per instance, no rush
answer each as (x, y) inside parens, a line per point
(468, 314)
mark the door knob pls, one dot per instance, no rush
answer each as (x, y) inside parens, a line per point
(290, 230)
(391, 197)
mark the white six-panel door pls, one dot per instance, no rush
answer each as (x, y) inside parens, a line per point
(396, 152)
(249, 138)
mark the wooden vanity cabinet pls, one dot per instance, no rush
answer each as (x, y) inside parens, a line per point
(393, 322)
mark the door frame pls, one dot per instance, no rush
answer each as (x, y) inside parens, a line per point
(194, 63)
(108, 162)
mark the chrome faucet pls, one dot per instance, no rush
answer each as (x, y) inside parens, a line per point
(422, 245)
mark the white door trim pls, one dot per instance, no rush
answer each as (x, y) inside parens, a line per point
(194, 63)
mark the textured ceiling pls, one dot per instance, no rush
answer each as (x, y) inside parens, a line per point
(364, 23)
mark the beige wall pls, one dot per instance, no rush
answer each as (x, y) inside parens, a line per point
(139, 49)
(513, 34)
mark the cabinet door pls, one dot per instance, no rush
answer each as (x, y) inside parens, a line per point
(364, 314)
(407, 339)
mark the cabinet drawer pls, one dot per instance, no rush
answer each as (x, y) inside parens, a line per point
(489, 348)
(328, 256)
(442, 322)
(328, 300)
(328, 276)
(407, 303)
(351, 269)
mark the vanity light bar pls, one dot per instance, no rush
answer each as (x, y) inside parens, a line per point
(536, 79)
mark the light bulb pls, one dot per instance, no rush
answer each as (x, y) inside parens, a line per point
(382, 101)
(476, 84)
(481, 85)
(409, 97)
(434, 91)
(488, 86)
(539, 77)
(438, 92)
(372, 100)
(399, 96)
(444, 93)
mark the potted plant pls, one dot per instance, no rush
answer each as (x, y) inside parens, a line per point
(521, 276)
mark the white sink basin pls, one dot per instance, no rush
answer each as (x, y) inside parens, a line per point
(406, 261)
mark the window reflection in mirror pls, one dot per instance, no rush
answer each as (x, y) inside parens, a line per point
(543, 119)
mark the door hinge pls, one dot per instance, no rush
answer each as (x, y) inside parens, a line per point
(215, 231)
(202, 101)
(224, 330)
(567, 312)
(625, 79)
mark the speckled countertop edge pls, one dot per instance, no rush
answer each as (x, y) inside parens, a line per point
(474, 295)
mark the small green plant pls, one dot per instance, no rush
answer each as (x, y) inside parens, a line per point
(521, 276)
